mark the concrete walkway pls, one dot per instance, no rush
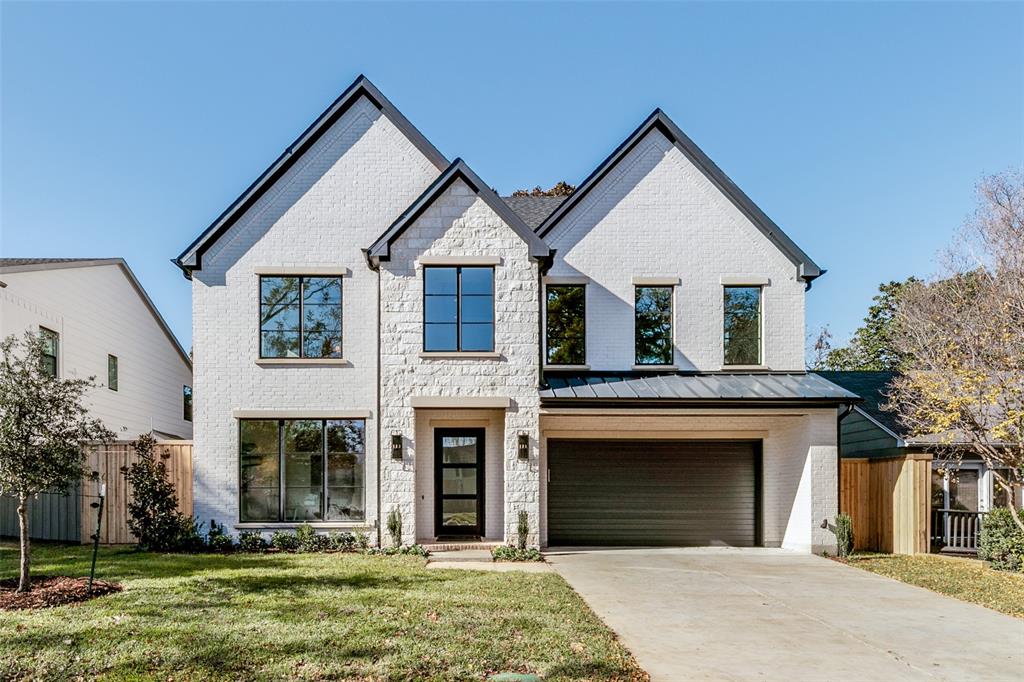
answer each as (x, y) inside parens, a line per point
(480, 560)
(744, 614)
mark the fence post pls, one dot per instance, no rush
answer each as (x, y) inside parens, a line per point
(96, 536)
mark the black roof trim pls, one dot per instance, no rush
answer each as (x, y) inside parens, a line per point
(191, 258)
(640, 404)
(658, 120)
(380, 250)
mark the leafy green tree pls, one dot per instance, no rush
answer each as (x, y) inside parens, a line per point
(872, 347)
(560, 189)
(44, 431)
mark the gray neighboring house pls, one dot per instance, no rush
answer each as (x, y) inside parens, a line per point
(960, 495)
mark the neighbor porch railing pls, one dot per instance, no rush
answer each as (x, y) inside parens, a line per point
(954, 530)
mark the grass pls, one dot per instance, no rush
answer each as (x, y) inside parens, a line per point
(313, 616)
(965, 579)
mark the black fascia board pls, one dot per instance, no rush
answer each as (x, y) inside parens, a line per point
(191, 258)
(658, 120)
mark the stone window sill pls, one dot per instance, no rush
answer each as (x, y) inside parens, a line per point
(463, 356)
(318, 525)
(303, 362)
(559, 368)
(746, 368)
(659, 368)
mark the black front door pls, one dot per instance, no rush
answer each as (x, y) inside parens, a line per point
(459, 482)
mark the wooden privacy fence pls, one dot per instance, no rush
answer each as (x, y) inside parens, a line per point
(71, 518)
(889, 501)
(107, 463)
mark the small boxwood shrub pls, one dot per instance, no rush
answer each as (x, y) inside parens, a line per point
(311, 541)
(405, 550)
(509, 553)
(252, 542)
(1001, 541)
(284, 541)
(218, 539)
(844, 534)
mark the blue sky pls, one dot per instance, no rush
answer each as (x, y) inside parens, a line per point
(860, 128)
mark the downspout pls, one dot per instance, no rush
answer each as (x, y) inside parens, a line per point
(380, 422)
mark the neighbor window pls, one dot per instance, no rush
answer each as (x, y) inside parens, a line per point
(300, 317)
(186, 403)
(742, 325)
(318, 464)
(566, 324)
(458, 309)
(112, 372)
(51, 348)
(653, 328)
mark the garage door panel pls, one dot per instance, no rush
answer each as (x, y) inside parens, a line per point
(652, 493)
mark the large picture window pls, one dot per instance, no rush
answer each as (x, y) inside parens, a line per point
(742, 325)
(300, 317)
(458, 309)
(566, 324)
(318, 464)
(51, 350)
(653, 327)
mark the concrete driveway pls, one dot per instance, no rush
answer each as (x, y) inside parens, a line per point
(744, 614)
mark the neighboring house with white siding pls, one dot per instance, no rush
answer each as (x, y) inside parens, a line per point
(376, 330)
(99, 322)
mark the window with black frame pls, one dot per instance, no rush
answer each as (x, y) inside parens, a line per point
(112, 372)
(300, 317)
(653, 326)
(51, 350)
(458, 309)
(742, 333)
(186, 403)
(301, 470)
(566, 324)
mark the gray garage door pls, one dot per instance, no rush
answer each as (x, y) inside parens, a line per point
(642, 493)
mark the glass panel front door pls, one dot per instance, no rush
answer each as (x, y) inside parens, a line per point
(459, 475)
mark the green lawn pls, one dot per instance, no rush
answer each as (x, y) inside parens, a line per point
(966, 579)
(304, 617)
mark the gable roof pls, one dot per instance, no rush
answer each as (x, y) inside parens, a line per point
(658, 120)
(191, 258)
(380, 250)
(533, 209)
(873, 387)
(13, 265)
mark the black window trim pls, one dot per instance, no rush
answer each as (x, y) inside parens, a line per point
(56, 349)
(760, 324)
(281, 482)
(458, 308)
(187, 406)
(566, 285)
(114, 366)
(672, 324)
(302, 349)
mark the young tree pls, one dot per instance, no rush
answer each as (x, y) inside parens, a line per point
(872, 348)
(964, 337)
(43, 430)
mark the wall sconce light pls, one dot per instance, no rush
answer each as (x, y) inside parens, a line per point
(523, 445)
(396, 445)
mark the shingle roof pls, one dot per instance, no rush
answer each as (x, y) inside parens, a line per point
(873, 387)
(695, 387)
(533, 210)
(11, 262)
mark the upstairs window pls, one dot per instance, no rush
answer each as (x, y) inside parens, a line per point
(566, 324)
(112, 372)
(51, 350)
(458, 309)
(186, 402)
(300, 317)
(653, 327)
(742, 325)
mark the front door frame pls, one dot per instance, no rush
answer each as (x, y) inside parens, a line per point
(439, 466)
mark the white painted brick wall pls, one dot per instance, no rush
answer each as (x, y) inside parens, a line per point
(338, 198)
(657, 214)
(798, 454)
(460, 224)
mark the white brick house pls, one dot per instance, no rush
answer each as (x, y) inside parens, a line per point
(376, 330)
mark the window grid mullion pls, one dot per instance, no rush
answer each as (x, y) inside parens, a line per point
(458, 309)
(280, 470)
(302, 297)
(323, 478)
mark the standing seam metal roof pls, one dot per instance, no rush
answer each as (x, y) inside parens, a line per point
(788, 386)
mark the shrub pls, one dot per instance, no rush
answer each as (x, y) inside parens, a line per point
(284, 541)
(362, 540)
(844, 534)
(218, 539)
(190, 536)
(523, 529)
(310, 541)
(509, 553)
(342, 542)
(407, 550)
(252, 542)
(395, 527)
(1001, 541)
(153, 515)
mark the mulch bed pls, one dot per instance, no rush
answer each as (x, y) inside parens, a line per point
(52, 591)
